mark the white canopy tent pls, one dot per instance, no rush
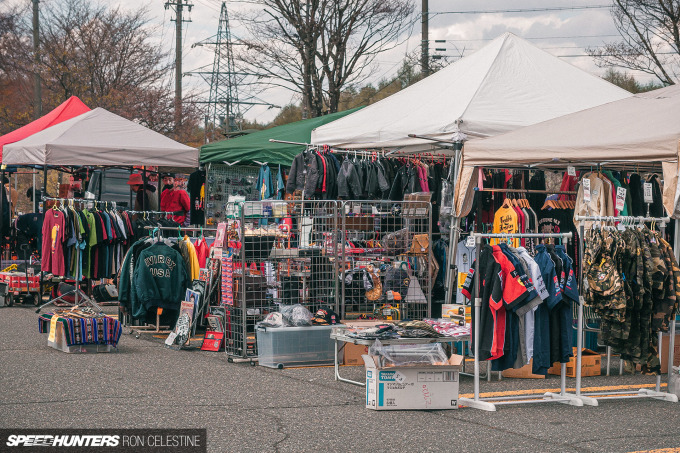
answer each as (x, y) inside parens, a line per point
(641, 129)
(99, 137)
(506, 85)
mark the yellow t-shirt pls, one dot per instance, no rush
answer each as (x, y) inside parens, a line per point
(505, 221)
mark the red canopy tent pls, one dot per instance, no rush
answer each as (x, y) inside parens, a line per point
(65, 111)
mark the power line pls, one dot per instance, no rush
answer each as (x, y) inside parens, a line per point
(523, 10)
(562, 56)
(532, 38)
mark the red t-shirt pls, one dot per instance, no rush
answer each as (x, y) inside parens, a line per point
(508, 289)
(202, 251)
(53, 231)
(176, 200)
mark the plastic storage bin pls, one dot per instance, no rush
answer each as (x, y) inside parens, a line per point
(279, 347)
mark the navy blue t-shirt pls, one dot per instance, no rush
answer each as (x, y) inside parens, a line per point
(541, 359)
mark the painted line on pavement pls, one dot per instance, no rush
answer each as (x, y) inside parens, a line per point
(557, 390)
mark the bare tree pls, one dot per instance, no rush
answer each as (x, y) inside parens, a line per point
(106, 56)
(99, 53)
(318, 47)
(650, 39)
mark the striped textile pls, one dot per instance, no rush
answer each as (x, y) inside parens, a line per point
(81, 330)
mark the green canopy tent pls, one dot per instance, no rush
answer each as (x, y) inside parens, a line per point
(256, 146)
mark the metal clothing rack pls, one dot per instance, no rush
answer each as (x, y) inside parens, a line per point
(79, 200)
(77, 292)
(489, 403)
(157, 327)
(130, 211)
(591, 398)
(547, 192)
(177, 228)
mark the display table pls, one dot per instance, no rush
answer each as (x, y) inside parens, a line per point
(339, 334)
(71, 333)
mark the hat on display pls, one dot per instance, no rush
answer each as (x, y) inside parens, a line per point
(325, 316)
(135, 179)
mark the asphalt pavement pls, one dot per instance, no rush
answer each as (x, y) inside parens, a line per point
(246, 408)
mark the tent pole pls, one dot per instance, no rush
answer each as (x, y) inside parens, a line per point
(44, 210)
(144, 189)
(33, 200)
(454, 234)
(2, 206)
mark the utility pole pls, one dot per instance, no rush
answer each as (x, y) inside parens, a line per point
(37, 88)
(424, 54)
(178, 6)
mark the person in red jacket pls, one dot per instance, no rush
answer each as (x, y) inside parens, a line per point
(174, 199)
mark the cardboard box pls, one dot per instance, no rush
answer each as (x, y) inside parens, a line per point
(353, 353)
(664, 352)
(591, 364)
(522, 373)
(420, 387)
(458, 313)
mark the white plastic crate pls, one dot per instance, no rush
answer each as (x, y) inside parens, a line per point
(279, 347)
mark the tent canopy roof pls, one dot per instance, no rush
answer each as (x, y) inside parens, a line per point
(256, 146)
(506, 85)
(641, 128)
(66, 110)
(99, 137)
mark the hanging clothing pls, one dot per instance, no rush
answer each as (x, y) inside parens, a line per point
(600, 203)
(265, 186)
(506, 220)
(349, 184)
(280, 186)
(465, 256)
(53, 238)
(202, 252)
(634, 285)
(160, 279)
(196, 188)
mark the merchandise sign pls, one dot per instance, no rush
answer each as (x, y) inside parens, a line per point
(649, 198)
(470, 241)
(571, 171)
(620, 198)
(114, 440)
(586, 190)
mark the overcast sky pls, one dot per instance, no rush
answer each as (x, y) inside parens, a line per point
(565, 33)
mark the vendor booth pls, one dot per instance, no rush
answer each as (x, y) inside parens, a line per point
(611, 199)
(504, 86)
(84, 239)
(387, 236)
